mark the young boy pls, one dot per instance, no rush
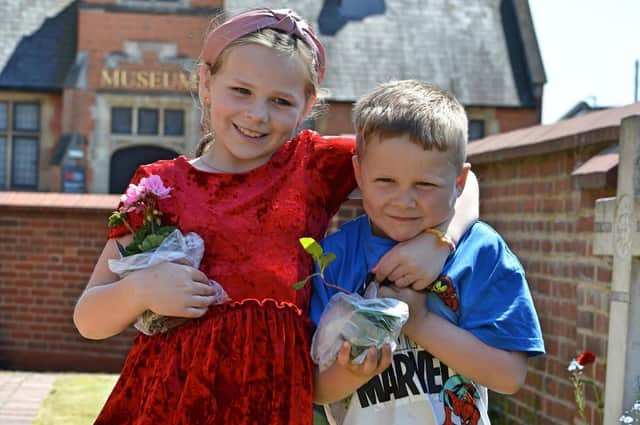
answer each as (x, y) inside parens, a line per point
(475, 327)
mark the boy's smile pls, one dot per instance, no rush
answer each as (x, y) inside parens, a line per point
(406, 189)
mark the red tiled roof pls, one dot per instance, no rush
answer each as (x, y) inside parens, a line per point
(84, 201)
(594, 127)
(599, 170)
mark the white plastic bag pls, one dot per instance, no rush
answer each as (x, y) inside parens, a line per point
(364, 322)
(185, 249)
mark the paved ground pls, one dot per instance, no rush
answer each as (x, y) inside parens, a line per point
(21, 394)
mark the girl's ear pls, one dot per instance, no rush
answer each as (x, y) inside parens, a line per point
(307, 109)
(204, 78)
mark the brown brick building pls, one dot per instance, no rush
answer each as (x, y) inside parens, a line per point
(89, 89)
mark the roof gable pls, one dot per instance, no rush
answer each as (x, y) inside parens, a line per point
(541, 139)
(481, 51)
(39, 39)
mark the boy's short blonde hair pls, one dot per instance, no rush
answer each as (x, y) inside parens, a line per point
(430, 116)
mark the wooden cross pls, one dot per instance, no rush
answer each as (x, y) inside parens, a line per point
(617, 233)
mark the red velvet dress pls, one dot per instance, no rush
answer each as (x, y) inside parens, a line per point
(245, 362)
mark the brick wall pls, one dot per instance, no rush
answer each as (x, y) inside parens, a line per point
(513, 118)
(548, 223)
(46, 257)
(49, 244)
(336, 120)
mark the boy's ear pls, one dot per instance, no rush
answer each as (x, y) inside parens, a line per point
(461, 180)
(356, 169)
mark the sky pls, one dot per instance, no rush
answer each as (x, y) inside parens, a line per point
(589, 49)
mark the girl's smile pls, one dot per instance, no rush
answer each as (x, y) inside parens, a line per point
(257, 102)
(249, 133)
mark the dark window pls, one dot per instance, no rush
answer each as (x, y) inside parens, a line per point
(26, 117)
(3, 160)
(476, 129)
(173, 122)
(121, 120)
(4, 116)
(19, 144)
(25, 162)
(147, 121)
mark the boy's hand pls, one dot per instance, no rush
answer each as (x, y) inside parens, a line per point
(416, 300)
(371, 365)
(415, 263)
(343, 377)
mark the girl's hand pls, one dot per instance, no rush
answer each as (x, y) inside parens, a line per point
(172, 289)
(419, 261)
(416, 262)
(371, 365)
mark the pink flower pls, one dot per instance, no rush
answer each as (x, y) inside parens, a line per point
(132, 195)
(154, 184)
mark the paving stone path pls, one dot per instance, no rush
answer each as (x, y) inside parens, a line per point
(21, 394)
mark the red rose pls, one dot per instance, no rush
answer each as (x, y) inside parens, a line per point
(587, 357)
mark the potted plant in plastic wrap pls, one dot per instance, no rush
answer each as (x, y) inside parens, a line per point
(154, 243)
(364, 321)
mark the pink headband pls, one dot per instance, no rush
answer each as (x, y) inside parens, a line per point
(254, 20)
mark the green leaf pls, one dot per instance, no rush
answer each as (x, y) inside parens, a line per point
(325, 260)
(165, 230)
(317, 253)
(117, 218)
(141, 233)
(151, 242)
(312, 247)
(299, 285)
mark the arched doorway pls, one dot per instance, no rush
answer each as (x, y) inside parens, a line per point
(125, 162)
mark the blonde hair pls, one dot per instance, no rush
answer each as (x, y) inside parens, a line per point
(280, 42)
(430, 116)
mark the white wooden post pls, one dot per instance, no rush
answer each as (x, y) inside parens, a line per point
(617, 233)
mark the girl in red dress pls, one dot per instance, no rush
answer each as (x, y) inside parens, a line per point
(250, 193)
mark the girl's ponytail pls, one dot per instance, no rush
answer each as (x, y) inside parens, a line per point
(204, 144)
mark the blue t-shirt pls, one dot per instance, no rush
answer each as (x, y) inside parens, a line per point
(495, 302)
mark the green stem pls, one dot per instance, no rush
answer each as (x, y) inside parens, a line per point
(150, 217)
(128, 226)
(330, 285)
(596, 392)
(578, 385)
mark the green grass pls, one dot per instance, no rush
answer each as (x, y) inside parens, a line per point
(76, 399)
